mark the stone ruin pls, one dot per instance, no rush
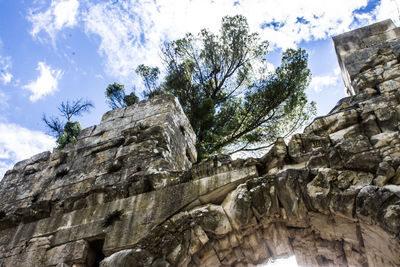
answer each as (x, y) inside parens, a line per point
(128, 194)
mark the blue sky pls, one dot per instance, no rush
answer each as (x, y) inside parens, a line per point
(52, 51)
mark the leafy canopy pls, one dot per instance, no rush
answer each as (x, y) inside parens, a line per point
(231, 98)
(69, 131)
(117, 98)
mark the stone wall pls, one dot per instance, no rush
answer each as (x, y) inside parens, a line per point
(126, 193)
(354, 48)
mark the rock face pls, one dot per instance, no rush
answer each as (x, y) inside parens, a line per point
(126, 193)
(356, 47)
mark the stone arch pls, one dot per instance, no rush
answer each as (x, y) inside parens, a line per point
(281, 215)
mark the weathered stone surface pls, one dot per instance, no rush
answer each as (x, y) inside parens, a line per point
(356, 48)
(127, 194)
(70, 253)
(114, 158)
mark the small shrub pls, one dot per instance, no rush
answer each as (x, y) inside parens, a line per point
(112, 217)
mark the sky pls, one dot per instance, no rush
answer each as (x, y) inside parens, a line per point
(53, 51)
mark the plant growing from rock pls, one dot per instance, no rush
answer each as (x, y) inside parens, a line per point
(117, 98)
(69, 131)
(112, 217)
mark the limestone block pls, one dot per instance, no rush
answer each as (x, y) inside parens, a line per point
(125, 258)
(396, 179)
(367, 161)
(237, 207)
(370, 126)
(355, 48)
(389, 85)
(373, 202)
(384, 173)
(261, 200)
(207, 257)
(347, 133)
(337, 228)
(71, 253)
(302, 146)
(275, 158)
(364, 94)
(212, 219)
(391, 73)
(372, 77)
(380, 247)
(350, 146)
(152, 136)
(384, 139)
(369, 106)
(289, 191)
(318, 190)
(29, 253)
(388, 118)
(198, 239)
(323, 126)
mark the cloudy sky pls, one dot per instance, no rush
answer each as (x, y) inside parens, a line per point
(52, 51)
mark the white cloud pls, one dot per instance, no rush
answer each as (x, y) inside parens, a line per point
(3, 100)
(388, 9)
(5, 65)
(46, 83)
(131, 31)
(18, 143)
(99, 76)
(320, 83)
(6, 77)
(60, 14)
(385, 9)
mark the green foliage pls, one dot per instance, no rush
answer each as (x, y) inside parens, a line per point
(232, 100)
(150, 77)
(131, 99)
(68, 132)
(115, 94)
(117, 98)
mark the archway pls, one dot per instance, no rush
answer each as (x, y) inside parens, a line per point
(295, 212)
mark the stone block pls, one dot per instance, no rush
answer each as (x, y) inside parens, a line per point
(323, 126)
(153, 136)
(71, 253)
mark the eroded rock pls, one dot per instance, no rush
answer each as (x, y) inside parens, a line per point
(128, 194)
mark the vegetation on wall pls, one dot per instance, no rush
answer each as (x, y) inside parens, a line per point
(67, 132)
(112, 217)
(117, 97)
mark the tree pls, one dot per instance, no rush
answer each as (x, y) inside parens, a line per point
(150, 77)
(231, 99)
(117, 98)
(69, 131)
